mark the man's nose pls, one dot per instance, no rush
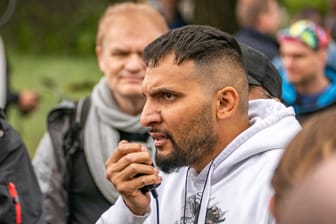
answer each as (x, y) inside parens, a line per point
(135, 62)
(150, 115)
(287, 61)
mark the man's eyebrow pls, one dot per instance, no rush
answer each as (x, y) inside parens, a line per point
(159, 90)
(119, 49)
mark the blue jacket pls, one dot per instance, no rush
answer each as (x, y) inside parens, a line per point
(289, 95)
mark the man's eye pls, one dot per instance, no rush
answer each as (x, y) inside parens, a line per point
(298, 56)
(168, 96)
(119, 54)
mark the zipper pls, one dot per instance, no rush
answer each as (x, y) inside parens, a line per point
(15, 197)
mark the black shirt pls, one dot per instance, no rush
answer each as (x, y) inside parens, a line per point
(86, 202)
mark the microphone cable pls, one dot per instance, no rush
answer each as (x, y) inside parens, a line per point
(156, 197)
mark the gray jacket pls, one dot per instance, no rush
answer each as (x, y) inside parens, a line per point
(50, 165)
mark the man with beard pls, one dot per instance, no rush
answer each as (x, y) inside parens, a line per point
(259, 20)
(216, 159)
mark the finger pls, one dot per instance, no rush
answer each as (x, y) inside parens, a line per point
(127, 181)
(145, 180)
(136, 157)
(130, 159)
(126, 147)
(123, 148)
(135, 170)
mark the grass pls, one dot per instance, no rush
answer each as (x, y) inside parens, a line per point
(54, 78)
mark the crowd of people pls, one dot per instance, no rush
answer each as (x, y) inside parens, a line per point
(188, 124)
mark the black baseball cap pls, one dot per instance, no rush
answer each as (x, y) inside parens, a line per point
(261, 71)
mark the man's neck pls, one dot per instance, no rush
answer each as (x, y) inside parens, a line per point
(131, 105)
(315, 86)
(224, 139)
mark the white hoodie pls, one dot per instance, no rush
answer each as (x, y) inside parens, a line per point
(235, 188)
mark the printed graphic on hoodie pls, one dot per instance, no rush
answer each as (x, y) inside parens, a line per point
(214, 214)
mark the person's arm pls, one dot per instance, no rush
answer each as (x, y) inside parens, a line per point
(50, 180)
(26, 100)
(120, 212)
(12, 98)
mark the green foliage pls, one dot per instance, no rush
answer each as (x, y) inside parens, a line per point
(69, 27)
(294, 6)
(59, 27)
(54, 78)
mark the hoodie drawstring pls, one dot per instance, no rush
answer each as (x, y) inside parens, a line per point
(205, 196)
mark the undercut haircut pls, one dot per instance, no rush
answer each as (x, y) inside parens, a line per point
(201, 44)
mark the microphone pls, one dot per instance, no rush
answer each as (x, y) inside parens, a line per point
(148, 188)
(152, 189)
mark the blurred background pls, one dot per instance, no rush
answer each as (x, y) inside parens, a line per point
(50, 47)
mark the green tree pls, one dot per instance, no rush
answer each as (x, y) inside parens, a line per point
(217, 13)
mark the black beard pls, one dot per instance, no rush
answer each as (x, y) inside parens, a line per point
(199, 142)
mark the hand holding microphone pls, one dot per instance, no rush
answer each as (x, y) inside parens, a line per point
(131, 171)
(148, 188)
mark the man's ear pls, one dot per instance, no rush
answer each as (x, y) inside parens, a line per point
(323, 55)
(227, 102)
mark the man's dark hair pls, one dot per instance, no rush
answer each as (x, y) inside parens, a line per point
(201, 44)
(214, 52)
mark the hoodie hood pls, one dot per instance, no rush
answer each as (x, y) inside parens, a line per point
(273, 125)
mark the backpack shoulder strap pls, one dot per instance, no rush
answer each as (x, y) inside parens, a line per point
(82, 108)
(82, 111)
(73, 138)
(65, 124)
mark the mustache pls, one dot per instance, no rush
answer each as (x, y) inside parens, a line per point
(164, 132)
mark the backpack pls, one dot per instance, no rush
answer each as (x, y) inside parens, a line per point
(66, 126)
(20, 195)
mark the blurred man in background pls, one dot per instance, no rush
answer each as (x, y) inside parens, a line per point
(73, 179)
(259, 21)
(308, 85)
